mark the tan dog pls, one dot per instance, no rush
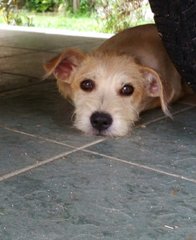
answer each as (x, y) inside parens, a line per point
(129, 73)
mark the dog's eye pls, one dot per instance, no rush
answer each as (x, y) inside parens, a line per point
(87, 85)
(127, 90)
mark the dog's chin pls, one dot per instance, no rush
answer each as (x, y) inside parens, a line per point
(112, 131)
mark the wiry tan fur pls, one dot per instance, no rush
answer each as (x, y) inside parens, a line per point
(135, 56)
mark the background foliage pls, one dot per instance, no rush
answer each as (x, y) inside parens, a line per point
(110, 15)
(116, 15)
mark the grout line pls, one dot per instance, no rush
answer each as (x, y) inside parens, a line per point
(36, 136)
(29, 51)
(32, 50)
(187, 101)
(82, 148)
(40, 137)
(141, 166)
(20, 75)
(16, 55)
(151, 121)
(184, 109)
(38, 81)
(71, 146)
(189, 104)
(44, 162)
(165, 117)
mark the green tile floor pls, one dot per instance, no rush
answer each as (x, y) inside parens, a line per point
(57, 184)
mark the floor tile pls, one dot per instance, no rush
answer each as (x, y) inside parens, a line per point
(40, 110)
(18, 151)
(11, 51)
(167, 145)
(9, 81)
(30, 65)
(89, 197)
(42, 41)
(140, 187)
(190, 99)
(157, 114)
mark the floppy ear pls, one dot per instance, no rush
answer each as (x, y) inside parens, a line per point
(63, 65)
(156, 88)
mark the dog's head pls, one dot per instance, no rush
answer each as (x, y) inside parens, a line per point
(108, 91)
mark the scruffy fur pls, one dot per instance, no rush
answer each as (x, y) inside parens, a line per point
(136, 57)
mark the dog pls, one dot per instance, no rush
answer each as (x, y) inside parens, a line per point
(129, 73)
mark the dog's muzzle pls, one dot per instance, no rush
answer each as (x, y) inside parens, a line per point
(101, 121)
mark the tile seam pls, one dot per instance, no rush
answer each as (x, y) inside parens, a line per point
(184, 109)
(71, 146)
(40, 137)
(141, 166)
(31, 50)
(165, 117)
(20, 74)
(47, 161)
(15, 55)
(13, 91)
(21, 48)
(83, 149)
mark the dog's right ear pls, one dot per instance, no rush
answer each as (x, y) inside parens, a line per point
(64, 64)
(157, 88)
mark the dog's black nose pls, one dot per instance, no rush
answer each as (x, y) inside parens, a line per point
(101, 121)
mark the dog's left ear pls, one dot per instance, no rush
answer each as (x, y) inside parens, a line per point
(64, 64)
(156, 88)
